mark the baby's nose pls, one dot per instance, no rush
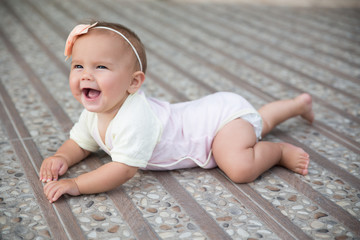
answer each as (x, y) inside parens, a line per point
(86, 75)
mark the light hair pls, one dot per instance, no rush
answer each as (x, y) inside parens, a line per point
(133, 38)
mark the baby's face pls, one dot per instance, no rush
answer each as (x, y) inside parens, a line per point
(101, 71)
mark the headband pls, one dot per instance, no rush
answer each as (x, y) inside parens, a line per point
(83, 29)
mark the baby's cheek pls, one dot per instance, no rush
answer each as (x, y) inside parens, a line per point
(75, 90)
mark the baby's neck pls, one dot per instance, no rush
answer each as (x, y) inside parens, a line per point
(103, 123)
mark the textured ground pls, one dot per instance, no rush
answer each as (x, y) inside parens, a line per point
(263, 51)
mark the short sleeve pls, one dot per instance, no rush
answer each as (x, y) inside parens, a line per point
(81, 134)
(135, 132)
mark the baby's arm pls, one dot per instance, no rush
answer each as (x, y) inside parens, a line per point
(67, 155)
(103, 179)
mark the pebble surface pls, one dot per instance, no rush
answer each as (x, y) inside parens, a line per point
(20, 216)
(97, 215)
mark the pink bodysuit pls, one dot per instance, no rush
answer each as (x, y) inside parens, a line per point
(190, 127)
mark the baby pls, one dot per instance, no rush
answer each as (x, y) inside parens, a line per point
(107, 70)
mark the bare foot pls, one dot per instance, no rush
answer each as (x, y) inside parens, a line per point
(294, 158)
(306, 110)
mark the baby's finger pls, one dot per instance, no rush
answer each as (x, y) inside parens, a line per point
(48, 177)
(43, 173)
(55, 171)
(47, 188)
(63, 169)
(50, 190)
(59, 192)
(42, 170)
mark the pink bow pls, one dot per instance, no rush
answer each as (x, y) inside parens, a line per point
(74, 34)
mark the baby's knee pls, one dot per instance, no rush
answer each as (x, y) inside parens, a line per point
(241, 174)
(242, 178)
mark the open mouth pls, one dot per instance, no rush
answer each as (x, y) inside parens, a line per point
(91, 93)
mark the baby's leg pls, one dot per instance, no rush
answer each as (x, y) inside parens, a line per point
(237, 153)
(277, 112)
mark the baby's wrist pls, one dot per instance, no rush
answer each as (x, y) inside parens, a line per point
(66, 160)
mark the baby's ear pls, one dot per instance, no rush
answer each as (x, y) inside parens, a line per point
(138, 79)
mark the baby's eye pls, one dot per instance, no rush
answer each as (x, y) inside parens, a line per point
(101, 67)
(78, 66)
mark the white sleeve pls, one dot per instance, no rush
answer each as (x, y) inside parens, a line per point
(136, 133)
(80, 133)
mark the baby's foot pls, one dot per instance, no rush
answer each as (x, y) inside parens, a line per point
(294, 158)
(306, 107)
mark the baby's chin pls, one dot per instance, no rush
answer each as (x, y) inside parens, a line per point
(91, 105)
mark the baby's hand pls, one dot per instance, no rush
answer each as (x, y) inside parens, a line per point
(53, 190)
(52, 168)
